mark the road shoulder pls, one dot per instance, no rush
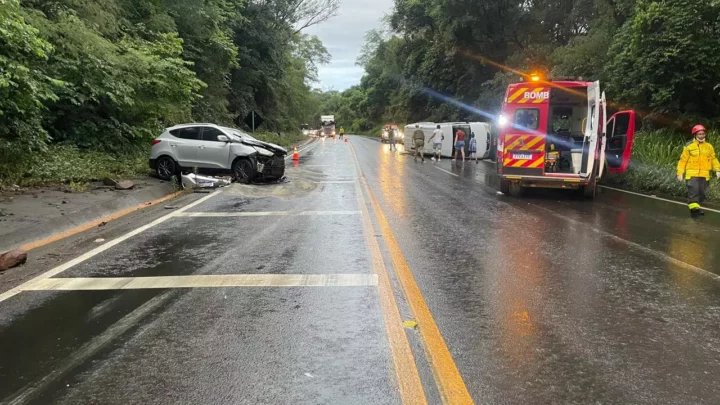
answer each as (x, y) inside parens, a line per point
(55, 253)
(36, 214)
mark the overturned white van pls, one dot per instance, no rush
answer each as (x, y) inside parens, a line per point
(449, 129)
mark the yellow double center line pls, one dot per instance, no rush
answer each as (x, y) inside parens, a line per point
(447, 376)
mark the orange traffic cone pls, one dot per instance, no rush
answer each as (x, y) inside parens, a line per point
(345, 140)
(296, 155)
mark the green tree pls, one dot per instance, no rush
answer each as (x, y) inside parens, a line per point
(667, 58)
(24, 89)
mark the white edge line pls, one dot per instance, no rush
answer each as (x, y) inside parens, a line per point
(205, 281)
(635, 245)
(59, 269)
(655, 198)
(263, 213)
(448, 172)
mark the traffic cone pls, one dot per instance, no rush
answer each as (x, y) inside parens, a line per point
(345, 140)
(296, 155)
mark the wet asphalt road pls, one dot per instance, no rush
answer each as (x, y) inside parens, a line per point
(545, 299)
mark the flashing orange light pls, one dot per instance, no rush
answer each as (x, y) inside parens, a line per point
(535, 78)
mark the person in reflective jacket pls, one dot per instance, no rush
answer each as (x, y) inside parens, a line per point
(697, 162)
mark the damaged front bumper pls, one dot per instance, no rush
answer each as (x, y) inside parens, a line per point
(270, 167)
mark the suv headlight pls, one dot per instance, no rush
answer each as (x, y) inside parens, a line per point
(263, 152)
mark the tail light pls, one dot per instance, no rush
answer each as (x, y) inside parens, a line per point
(500, 149)
(155, 142)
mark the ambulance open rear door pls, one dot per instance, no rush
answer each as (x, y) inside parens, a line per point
(592, 126)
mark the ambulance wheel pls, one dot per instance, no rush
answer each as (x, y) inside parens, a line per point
(505, 187)
(589, 191)
(516, 190)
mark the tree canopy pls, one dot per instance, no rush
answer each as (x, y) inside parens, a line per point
(109, 74)
(452, 60)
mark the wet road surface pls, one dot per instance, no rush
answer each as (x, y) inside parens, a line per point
(370, 278)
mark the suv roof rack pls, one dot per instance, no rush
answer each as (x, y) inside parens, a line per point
(193, 123)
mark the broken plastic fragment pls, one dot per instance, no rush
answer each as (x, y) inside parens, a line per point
(410, 324)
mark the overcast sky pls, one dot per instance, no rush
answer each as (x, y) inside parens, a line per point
(343, 37)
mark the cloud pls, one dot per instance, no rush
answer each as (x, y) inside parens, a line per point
(344, 36)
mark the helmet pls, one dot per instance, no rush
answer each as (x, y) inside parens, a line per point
(698, 128)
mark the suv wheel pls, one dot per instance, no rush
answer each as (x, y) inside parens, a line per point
(244, 171)
(166, 168)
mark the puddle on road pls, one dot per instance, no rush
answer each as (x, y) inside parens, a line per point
(298, 182)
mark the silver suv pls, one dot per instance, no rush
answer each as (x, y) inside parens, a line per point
(216, 149)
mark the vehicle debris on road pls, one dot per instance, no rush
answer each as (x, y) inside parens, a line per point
(194, 181)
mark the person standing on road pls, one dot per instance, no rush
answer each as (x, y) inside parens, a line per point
(391, 138)
(459, 144)
(473, 147)
(698, 159)
(342, 132)
(436, 139)
(419, 141)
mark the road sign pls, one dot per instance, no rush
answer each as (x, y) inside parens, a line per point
(253, 120)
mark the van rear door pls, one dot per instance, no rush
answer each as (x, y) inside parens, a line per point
(482, 136)
(524, 143)
(621, 134)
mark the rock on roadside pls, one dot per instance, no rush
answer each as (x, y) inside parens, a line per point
(125, 185)
(12, 258)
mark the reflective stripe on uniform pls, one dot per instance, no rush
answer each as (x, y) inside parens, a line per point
(694, 206)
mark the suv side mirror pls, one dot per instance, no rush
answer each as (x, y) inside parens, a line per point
(223, 138)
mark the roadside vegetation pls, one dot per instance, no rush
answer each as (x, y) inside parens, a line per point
(85, 85)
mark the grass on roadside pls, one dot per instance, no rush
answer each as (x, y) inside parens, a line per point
(285, 140)
(64, 164)
(652, 166)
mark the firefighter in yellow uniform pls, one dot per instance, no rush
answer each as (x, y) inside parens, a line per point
(342, 132)
(697, 162)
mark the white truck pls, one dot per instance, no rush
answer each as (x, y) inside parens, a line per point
(328, 125)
